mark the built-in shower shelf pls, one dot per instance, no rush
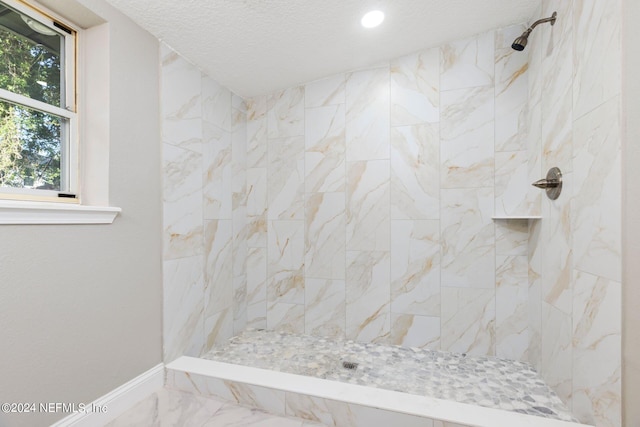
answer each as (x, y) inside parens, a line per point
(517, 217)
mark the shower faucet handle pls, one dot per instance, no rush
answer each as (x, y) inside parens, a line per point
(547, 183)
(552, 184)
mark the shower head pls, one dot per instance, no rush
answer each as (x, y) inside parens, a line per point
(521, 42)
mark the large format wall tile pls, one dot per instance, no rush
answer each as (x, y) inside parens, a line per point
(257, 288)
(415, 170)
(415, 267)
(286, 178)
(468, 321)
(325, 236)
(329, 91)
(467, 238)
(597, 350)
(367, 293)
(285, 265)
(216, 104)
(468, 63)
(218, 172)
(409, 330)
(467, 138)
(285, 117)
(556, 363)
(367, 114)
(183, 307)
(181, 101)
(325, 308)
(415, 88)
(511, 91)
(257, 132)
(512, 295)
(182, 202)
(325, 149)
(598, 49)
(368, 198)
(598, 190)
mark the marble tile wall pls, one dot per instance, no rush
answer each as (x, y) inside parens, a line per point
(371, 196)
(285, 403)
(204, 148)
(575, 251)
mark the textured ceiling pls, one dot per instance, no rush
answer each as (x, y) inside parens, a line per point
(257, 46)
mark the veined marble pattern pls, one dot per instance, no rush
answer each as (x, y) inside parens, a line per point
(512, 237)
(218, 170)
(218, 267)
(468, 320)
(556, 364)
(257, 141)
(285, 317)
(468, 63)
(484, 381)
(329, 91)
(286, 179)
(368, 200)
(467, 138)
(597, 350)
(285, 115)
(534, 305)
(558, 256)
(183, 307)
(256, 191)
(325, 236)
(467, 238)
(325, 149)
(415, 88)
(239, 304)
(512, 176)
(512, 296)
(409, 330)
(598, 49)
(325, 307)
(168, 407)
(367, 293)
(285, 264)
(556, 101)
(415, 172)
(367, 114)
(597, 225)
(415, 267)
(182, 202)
(216, 104)
(511, 91)
(218, 327)
(257, 288)
(181, 101)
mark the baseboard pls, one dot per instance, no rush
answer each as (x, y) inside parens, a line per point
(118, 400)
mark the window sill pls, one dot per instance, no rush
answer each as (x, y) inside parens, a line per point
(23, 212)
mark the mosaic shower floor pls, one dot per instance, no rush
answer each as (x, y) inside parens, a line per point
(484, 381)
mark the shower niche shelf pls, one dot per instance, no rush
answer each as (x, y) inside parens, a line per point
(516, 217)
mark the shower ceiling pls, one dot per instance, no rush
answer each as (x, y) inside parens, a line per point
(257, 46)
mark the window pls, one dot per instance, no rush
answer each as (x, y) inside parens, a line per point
(38, 111)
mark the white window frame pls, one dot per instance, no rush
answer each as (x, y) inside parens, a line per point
(69, 145)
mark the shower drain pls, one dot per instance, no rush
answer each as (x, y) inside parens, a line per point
(350, 365)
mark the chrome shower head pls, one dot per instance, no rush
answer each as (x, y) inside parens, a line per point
(521, 42)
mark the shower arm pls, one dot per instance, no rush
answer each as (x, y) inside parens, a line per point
(551, 19)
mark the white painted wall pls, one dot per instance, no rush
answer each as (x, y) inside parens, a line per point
(630, 217)
(80, 306)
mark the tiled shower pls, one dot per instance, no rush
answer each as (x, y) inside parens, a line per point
(393, 204)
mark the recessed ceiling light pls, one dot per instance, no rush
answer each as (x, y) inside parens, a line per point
(372, 19)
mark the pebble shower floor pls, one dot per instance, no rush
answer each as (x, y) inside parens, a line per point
(484, 381)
